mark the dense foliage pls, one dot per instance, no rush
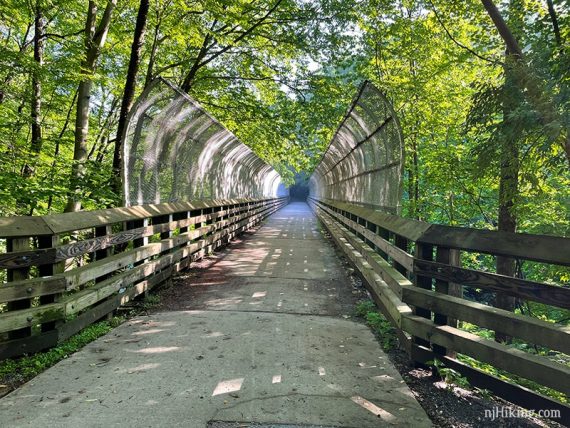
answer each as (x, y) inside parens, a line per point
(280, 74)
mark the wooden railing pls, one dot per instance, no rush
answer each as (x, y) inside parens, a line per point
(412, 270)
(63, 272)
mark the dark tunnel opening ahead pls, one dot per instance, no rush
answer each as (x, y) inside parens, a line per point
(299, 191)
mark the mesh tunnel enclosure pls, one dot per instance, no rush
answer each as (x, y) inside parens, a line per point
(175, 151)
(364, 162)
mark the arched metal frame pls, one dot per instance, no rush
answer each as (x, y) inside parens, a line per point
(175, 151)
(364, 162)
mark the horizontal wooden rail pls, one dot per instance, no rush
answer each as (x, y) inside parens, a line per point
(540, 248)
(551, 335)
(414, 291)
(530, 290)
(38, 257)
(113, 256)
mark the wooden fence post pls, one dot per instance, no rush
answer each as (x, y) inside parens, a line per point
(106, 252)
(49, 241)
(401, 243)
(455, 290)
(423, 252)
(18, 244)
(384, 234)
(139, 242)
(441, 286)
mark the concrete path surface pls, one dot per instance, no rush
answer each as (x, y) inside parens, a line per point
(261, 338)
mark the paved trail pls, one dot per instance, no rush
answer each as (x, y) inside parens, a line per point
(262, 341)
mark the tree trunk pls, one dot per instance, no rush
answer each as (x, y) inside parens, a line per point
(153, 51)
(189, 79)
(11, 73)
(36, 104)
(416, 181)
(554, 20)
(527, 80)
(507, 222)
(57, 147)
(94, 41)
(509, 164)
(129, 93)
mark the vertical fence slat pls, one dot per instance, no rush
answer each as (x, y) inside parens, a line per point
(106, 252)
(424, 252)
(50, 241)
(18, 244)
(401, 243)
(384, 234)
(455, 290)
(442, 256)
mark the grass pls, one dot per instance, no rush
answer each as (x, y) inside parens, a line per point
(509, 377)
(150, 301)
(16, 371)
(449, 376)
(558, 357)
(376, 321)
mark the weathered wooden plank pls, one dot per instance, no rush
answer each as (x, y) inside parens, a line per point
(28, 345)
(99, 311)
(38, 257)
(388, 303)
(423, 251)
(78, 276)
(402, 243)
(68, 329)
(550, 335)
(529, 366)
(378, 287)
(67, 222)
(18, 244)
(535, 291)
(403, 258)
(541, 248)
(513, 393)
(96, 269)
(442, 288)
(454, 288)
(24, 318)
(14, 227)
(49, 241)
(94, 294)
(29, 288)
(22, 259)
(411, 229)
(387, 272)
(89, 296)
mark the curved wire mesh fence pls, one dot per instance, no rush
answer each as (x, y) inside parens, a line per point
(175, 151)
(364, 162)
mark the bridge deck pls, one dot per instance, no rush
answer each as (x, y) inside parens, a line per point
(262, 339)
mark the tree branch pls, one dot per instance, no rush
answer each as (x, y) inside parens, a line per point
(454, 40)
(502, 27)
(202, 61)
